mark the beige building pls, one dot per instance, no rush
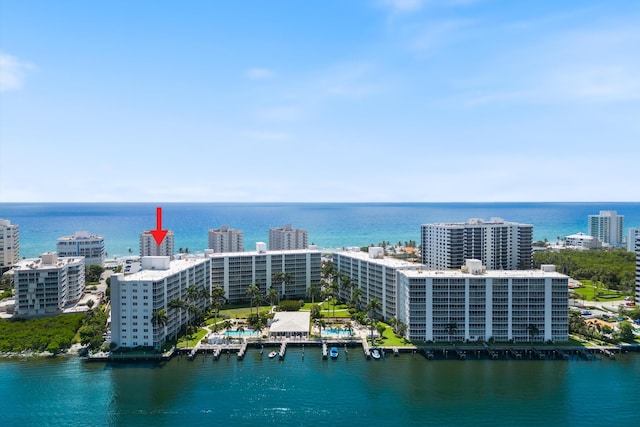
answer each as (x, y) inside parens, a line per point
(9, 244)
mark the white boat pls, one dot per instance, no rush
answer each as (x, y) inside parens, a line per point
(273, 354)
(375, 353)
(334, 352)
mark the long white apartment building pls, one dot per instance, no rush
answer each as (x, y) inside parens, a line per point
(46, 285)
(581, 241)
(9, 244)
(477, 304)
(608, 227)
(135, 298)
(149, 246)
(89, 246)
(236, 272)
(288, 238)
(225, 239)
(374, 274)
(499, 244)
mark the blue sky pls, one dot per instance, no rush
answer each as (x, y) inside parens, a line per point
(371, 100)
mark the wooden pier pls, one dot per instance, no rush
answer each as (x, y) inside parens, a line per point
(283, 350)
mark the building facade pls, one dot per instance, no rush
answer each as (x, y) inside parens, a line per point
(475, 304)
(632, 235)
(225, 239)
(287, 238)
(236, 272)
(149, 247)
(9, 244)
(581, 241)
(137, 298)
(89, 246)
(375, 276)
(45, 285)
(608, 227)
(500, 245)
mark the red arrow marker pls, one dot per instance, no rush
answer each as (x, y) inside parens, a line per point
(159, 233)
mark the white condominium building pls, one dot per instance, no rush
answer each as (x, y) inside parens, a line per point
(149, 246)
(226, 239)
(607, 227)
(236, 272)
(475, 304)
(45, 285)
(581, 241)
(287, 238)
(9, 244)
(89, 246)
(137, 298)
(375, 276)
(500, 245)
(632, 234)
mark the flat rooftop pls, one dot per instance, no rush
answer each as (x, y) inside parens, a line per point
(485, 274)
(175, 266)
(385, 261)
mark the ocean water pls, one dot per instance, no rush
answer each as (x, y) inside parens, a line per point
(308, 391)
(330, 225)
(304, 391)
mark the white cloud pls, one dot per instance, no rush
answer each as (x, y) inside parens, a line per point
(259, 73)
(402, 6)
(12, 72)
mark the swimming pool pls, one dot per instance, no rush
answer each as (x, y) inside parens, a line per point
(337, 332)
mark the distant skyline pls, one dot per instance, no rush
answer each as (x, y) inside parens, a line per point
(319, 101)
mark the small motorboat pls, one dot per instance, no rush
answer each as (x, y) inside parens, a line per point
(375, 353)
(333, 352)
(273, 354)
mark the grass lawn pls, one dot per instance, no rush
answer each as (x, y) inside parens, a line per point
(591, 292)
(193, 340)
(243, 312)
(389, 339)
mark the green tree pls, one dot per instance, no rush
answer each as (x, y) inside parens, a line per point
(451, 329)
(372, 312)
(625, 332)
(217, 300)
(533, 332)
(159, 320)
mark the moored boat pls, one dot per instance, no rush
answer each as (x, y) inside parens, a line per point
(273, 354)
(334, 352)
(375, 353)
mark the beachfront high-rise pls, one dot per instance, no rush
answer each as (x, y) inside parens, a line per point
(136, 299)
(225, 239)
(236, 272)
(480, 305)
(608, 227)
(45, 285)
(374, 274)
(287, 238)
(632, 234)
(89, 246)
(499, 244)
(9, 244)
(149, 246)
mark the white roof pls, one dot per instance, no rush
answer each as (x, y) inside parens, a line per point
(287, 321)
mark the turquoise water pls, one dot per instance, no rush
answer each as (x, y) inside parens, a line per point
(308, 391)
(330, 225)
(337, 332)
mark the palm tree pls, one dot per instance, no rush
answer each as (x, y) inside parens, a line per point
(159, 319)
(533, 331)
(321, 324)
(217, 299)
(284, 279)
(451, 329)
(313, 292)
(355, 297)
(372, 309)
(180, 305)
(252, 291)
(272, 296)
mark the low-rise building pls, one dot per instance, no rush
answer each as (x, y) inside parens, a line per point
(46, 285)
(137, 300)
(581, 241)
